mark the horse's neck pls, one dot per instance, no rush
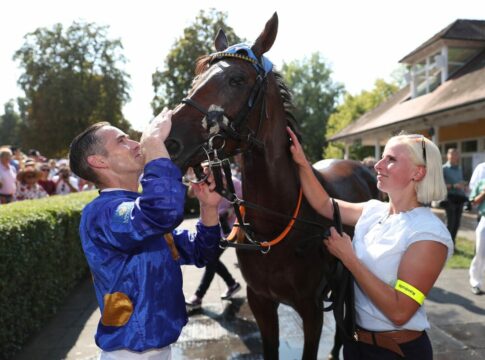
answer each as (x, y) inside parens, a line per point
(269, 176)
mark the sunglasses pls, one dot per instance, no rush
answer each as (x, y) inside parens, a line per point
(423, 145)
(46, 170)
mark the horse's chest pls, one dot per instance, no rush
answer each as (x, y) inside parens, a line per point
(278, 276)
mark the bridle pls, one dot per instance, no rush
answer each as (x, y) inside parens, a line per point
(237, 128)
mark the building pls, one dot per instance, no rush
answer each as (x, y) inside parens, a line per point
(444, 99)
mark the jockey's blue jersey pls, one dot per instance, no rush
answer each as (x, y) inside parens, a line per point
(137, 281)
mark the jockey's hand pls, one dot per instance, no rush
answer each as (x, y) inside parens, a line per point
(152, 140)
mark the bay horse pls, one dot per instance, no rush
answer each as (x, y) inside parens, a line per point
(240, 103)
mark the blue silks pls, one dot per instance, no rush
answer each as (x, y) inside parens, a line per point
(138, 284)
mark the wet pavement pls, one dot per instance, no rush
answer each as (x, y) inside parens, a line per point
(226, 329)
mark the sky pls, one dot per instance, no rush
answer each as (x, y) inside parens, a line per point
(361, 41)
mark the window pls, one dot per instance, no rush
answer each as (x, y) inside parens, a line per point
(427, 74)
(469, 146)
(459, 56)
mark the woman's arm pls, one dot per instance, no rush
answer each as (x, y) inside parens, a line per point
(314, 191)
(420, 266)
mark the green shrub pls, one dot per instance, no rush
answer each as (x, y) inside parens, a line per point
(41, 259)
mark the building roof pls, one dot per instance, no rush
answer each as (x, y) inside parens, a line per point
(465, 87)
(468, 30)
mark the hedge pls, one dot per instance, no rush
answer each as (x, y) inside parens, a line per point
(41, 260)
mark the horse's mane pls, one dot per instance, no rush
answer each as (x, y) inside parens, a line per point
(285, 93)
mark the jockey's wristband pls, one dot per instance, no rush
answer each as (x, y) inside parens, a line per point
(409, 290)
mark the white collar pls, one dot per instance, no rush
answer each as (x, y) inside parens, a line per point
(113, 189)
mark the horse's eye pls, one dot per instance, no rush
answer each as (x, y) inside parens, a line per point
(236, 81)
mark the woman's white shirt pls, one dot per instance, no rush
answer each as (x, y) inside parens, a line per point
(380, 241)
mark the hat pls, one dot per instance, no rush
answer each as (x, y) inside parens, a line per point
(28, 171)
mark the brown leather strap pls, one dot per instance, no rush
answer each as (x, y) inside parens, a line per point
(389, 340)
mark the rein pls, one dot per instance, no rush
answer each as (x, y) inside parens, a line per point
(222, 168)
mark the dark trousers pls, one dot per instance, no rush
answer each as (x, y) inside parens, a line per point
(419, 349)
(5, 199)
(215, 267)
(453, 217)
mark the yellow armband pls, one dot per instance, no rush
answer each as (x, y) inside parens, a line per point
(411, 291)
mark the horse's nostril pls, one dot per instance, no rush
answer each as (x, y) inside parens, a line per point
(174, 147)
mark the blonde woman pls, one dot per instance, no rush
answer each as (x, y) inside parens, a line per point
(398, 251)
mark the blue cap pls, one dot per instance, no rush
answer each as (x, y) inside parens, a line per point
(265, 64)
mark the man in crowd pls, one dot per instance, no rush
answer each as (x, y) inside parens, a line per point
(456, 187)
(8, 176)
(129, 240)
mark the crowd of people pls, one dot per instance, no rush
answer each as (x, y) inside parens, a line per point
(27, 176)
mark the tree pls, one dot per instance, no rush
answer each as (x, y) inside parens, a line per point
(173, 82)
(71, 80)
(350, 110)
(314, 97)
(10, 123)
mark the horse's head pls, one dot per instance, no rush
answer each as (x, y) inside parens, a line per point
(225, 106)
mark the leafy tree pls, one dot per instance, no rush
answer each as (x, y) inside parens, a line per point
(173, 82)
(350, 110)
(71, 80)
(314, 97)
(10, 123)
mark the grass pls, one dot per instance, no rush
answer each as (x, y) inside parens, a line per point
(463, 255)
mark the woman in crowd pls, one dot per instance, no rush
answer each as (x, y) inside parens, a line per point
(28, 187)
(398, 251)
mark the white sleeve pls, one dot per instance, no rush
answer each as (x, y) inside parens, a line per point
(432, 231)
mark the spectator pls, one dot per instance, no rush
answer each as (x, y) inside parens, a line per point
(477, 266)
(456, 188)
(8, 175)
(48, 185)
(65, 183)
(477, 175)
(226, 220)
(35, 154)
(28, 187)
(53, 170)
(85, 185)
(17, 158)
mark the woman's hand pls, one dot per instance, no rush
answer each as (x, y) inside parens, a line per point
(296, 149)
(339, 246)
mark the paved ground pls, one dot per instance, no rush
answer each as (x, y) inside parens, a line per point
(227, 330)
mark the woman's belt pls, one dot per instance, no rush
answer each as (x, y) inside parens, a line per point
(389, 340)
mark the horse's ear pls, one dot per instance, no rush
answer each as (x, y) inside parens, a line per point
(267, 37)
(220, 41)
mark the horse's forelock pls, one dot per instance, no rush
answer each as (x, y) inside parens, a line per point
(201, 64)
